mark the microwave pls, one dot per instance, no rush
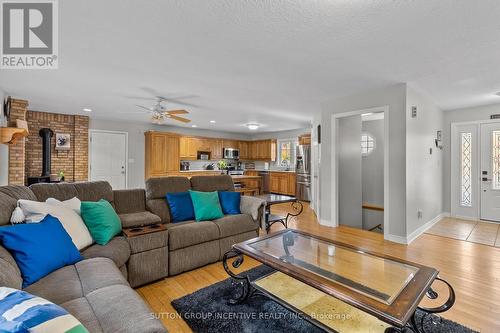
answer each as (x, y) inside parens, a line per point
(231, 153)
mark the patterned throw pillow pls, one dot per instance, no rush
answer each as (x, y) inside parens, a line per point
(21, 312)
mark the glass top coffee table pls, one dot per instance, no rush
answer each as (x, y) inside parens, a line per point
(316, 273)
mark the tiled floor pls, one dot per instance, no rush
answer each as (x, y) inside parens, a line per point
(471, 231)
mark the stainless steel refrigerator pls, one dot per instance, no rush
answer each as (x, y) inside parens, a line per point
(303, 170)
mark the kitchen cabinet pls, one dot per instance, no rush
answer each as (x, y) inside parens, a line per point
(162, 153)
(263, 150)
(230, 143)
(216, 149)
(251, 183)
(282, 182)
(305, 139)
(243, 146)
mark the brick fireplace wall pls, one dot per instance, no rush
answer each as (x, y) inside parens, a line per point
(73, 162)
(17, 150)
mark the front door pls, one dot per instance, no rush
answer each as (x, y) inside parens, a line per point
(490, 172)
(108, 158)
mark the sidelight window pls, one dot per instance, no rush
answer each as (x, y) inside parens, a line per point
(466, 169)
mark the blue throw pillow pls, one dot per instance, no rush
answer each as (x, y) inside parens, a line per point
(230, 202)
(21, 312)
(181, 206)
(39, 248)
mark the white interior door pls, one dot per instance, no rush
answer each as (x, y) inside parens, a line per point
(490, 172)
(108, 158)
(465, 201)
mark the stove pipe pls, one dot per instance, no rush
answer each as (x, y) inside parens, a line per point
(46, 134)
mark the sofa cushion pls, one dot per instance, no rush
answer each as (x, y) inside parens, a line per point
(62, 191)
(231, 225)
(212, 183)
(10, 275)
(85, 191)
(138, 219)
(59, 286)
(8, 200)
(157, 188)
(77, 280)
(94, 191)
(81, 309)
(129, 201)
(129, 313)
(184, 234)
(117, 250)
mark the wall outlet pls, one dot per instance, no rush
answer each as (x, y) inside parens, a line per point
(419, 213)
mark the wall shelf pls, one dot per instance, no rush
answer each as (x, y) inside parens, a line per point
(10, 135)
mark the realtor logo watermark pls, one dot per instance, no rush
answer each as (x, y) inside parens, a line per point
(29, 36)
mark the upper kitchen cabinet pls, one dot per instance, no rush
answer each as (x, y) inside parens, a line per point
(216, 148)
(264, 150)
(305, 139)
(243, 146)
(230, 143)
(188, 147)
(162, 153)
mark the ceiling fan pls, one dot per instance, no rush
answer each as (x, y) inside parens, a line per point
(159, 112)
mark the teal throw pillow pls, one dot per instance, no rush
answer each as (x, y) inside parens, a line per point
(206, 205)
(101, 220)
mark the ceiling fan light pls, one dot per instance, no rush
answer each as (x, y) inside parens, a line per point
(253, 127)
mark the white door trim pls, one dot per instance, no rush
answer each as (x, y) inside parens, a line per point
(91, 131)
(334, 164)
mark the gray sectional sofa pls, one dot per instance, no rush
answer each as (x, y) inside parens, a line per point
(98, 290)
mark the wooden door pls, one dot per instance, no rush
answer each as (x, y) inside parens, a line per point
(230, 143)
(252, 149)
(216, 149)
(243, 146)
(274, 182)
(162, 154)
(173, 154)
(283, 183)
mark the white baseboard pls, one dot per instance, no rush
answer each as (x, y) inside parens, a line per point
(411, 237)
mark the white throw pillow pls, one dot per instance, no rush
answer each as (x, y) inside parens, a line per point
(17, 216)
(73, 203)
(72, 222)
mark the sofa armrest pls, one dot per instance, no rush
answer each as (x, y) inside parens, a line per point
(254, 207)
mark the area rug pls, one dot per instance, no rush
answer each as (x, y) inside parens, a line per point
(207, 311)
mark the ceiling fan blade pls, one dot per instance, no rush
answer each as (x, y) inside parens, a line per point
(176, 112)
(145, 108)
(176, 101)
(181, 119)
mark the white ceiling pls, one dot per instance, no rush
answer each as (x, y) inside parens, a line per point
(272, 62)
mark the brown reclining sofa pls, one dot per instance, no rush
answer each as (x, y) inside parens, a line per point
(97, 290)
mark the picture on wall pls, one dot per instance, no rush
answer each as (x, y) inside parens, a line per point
(63, 141)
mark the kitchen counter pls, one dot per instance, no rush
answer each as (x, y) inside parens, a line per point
(187, 171)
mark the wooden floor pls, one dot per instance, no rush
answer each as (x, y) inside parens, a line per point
(486, 233)
(473, 270)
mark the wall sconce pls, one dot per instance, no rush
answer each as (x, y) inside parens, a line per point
(439, 140)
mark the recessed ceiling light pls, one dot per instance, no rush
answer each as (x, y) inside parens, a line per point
(252, 126)
(87, 110)
(212, 121)
(194, 125)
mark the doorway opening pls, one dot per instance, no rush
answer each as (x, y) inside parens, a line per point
(360, 166)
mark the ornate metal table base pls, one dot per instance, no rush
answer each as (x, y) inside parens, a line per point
(297, 208)
(412, 326)
(243, 282)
